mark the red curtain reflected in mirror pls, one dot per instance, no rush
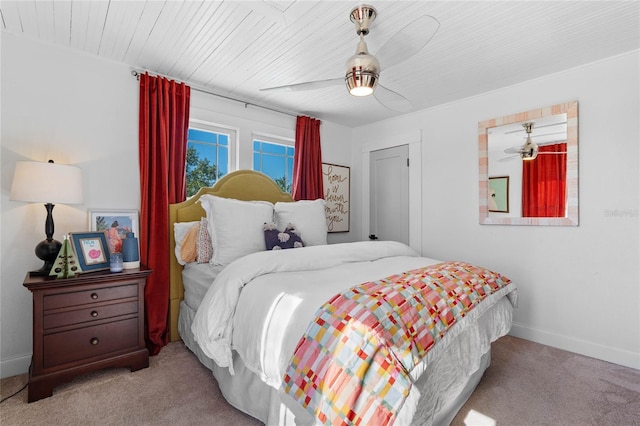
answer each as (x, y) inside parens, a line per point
(544, 183)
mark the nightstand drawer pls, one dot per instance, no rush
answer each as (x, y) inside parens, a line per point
(90, 296)
(69, 346)
(86, 315)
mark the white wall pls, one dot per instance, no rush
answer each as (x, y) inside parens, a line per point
(75, 110)
(78, 109)
(579, 287)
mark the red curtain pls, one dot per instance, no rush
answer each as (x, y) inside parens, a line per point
(544, 183)
(307, 160)
(164, 123)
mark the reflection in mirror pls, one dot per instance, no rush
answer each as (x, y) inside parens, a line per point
(537, 151)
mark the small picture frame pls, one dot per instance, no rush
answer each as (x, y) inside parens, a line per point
(115, 224)
(498, 194)
(91, 249)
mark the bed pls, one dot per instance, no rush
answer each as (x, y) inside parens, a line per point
(270, 324)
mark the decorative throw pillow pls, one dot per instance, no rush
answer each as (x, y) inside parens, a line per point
(188, 250)
(180, 230)
(308, 216)
(279, 240)
(204, 245)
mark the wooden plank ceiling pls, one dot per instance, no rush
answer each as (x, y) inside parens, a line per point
(235, 48)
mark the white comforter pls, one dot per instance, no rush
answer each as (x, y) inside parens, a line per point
(261, 304)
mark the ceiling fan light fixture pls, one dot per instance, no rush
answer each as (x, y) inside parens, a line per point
(363, 70)
(529, 150)
(361, 83)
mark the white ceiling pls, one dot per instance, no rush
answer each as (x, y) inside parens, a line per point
(235, 48)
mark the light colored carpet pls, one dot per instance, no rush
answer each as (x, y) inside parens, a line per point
(175, 390)
(527, 384)
(531, 384)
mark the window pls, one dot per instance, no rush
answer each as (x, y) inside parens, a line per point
(208, 151)
(274, 160)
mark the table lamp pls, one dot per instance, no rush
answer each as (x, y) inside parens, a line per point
(48, 183)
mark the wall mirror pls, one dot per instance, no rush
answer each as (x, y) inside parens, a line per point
(536, 154)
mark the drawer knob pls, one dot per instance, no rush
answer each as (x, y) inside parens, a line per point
(94, 341)
(94, 296)
(94, 313)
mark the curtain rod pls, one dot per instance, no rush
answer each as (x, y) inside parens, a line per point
(137, 74)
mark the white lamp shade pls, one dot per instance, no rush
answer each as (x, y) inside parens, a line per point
(36, 182)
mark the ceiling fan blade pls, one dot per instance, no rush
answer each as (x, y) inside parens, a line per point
(518, 149)
(309, 85)
(513, 157)
(408, 41)
(513, 150)
(392, 100)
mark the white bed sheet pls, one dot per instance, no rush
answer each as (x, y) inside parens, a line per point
(272, 314)
(196, 279)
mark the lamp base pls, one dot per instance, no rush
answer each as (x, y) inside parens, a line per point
(47, 251)
(42, 272)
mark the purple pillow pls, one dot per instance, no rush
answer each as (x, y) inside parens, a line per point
(276, 240)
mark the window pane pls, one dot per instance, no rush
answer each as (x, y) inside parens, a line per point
(207, 158)
(223, 160)
(205, 152)
(290, 169)
(202, 136)
(274, 160)
(273, 166)
(272, 148)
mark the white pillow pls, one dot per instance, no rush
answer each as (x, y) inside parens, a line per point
(180, 230)
(307, 216)
(235, 226)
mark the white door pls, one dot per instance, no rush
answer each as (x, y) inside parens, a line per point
(389, 209)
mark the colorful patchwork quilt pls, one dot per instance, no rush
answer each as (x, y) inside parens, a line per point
(353, 364)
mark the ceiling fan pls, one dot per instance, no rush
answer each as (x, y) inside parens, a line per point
(529, 151)
(363, 69)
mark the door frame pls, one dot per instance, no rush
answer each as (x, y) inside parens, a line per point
(414, 141)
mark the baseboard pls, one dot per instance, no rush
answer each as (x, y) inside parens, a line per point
(14, 366)
(582, 347)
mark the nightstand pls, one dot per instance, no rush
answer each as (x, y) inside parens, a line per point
(86, 323)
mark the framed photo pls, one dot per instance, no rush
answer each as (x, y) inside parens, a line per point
(115, 224)
(499, 194)
(336, 183)
(91, 249)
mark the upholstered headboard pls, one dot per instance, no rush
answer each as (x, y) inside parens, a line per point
(246, 185)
